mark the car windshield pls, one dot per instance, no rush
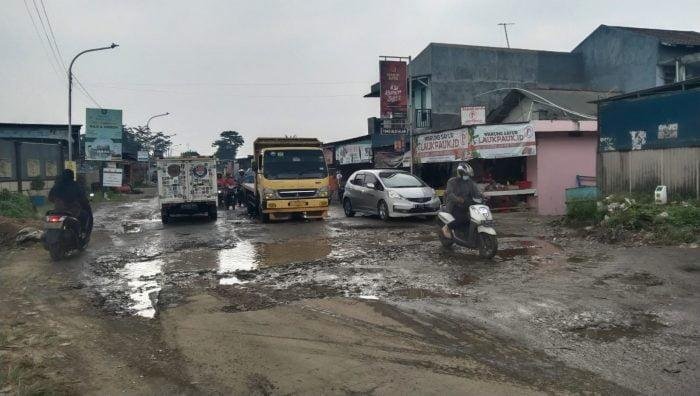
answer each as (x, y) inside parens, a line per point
(400, 180)
(294, 164)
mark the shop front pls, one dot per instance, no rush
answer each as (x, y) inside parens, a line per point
(497, 153)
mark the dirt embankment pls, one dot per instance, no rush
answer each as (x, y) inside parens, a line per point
(9, 227)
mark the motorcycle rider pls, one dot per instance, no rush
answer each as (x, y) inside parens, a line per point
(68, 196)
(240, 179)
(460, 194)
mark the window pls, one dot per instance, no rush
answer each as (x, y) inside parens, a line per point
(370, 178)
(359, 180)
(400, 180)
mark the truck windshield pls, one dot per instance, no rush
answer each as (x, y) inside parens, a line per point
(294, 164)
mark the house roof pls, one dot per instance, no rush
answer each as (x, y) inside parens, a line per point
(578, 104)
(691, 83)
(673, 37)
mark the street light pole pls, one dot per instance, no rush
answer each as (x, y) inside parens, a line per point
(70, 98)
(157, 115)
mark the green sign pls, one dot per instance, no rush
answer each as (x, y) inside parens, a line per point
(103, 134)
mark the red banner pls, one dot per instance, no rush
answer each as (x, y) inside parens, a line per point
(393, 87)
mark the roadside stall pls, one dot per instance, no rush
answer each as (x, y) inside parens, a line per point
(497, 153)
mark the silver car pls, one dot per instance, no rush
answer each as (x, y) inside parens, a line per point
(389, 193)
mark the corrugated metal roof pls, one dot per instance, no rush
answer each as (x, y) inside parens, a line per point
(691, 83)
(675, 37)
(578, 101)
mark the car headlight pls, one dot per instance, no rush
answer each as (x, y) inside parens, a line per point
(269, 193)
(323, 191)
(219, 191)
(394, 194)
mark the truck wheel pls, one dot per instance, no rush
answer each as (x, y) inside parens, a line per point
(213, 213)
(264, 217)
(165, 216)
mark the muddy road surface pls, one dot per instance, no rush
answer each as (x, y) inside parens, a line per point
(348, 306)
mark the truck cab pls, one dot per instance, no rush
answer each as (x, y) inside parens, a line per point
(291, 178)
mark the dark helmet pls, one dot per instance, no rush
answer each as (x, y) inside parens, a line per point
(241, 171)
(68, 175)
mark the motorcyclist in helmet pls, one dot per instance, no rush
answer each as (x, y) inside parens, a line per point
(460, 194)
(67, 195)
(240, 179)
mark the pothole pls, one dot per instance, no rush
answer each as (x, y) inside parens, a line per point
(604, 329)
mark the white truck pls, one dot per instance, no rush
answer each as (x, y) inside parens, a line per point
(187, 186)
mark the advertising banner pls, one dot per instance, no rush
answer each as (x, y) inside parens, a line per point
(354, 153)
(473, 115)
(142, 156)
(112, 177)
(393, 88)
(504, 140)
(445, 146)
(103, 135)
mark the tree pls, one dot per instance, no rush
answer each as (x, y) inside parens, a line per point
(227, 145)
(189, 153)
(160, 143)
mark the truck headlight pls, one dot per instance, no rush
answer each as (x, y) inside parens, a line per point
(394, 194)
(323, 191)
(269, 193)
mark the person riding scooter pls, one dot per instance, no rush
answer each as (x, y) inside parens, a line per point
(68, 196)
(460, 194)
(240, 179)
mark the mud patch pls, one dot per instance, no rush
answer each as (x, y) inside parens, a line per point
(607, 328)
(466, 279)
(243, 298)
(691, 268)
(417, 293)
(638, 279)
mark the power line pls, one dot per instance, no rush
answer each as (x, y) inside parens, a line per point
(242, 84)
(165, 91)
(43, 44)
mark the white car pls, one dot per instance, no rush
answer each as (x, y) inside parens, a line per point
(389, 193)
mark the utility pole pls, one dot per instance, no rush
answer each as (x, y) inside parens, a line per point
(505, 30)
(70, 98)
(157, 115)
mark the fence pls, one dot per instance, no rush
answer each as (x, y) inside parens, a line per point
(22, 162)
(642, 170)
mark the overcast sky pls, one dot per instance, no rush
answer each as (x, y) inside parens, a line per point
(266, 68)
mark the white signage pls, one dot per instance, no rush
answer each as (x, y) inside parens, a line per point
(112, 177)
(473, 115)
(354, 153)
(503, 140)
(142, 156)
(445, 146)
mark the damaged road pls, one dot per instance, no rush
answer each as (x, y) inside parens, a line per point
(355, 305)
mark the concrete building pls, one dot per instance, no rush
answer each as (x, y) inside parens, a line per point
(33, 152)
(650, 138)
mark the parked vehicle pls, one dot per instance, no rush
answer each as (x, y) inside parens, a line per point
(477, 234)
(291, 178)
(187, 186)
(63, 233)
(389, 193)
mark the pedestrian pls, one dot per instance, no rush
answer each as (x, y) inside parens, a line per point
(341, 186)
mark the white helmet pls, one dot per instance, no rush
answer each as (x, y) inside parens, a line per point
(465, 170)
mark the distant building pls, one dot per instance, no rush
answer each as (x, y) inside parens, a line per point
(33, 152)
(651, 137)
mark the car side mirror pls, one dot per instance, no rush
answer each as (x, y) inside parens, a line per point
(370, 185)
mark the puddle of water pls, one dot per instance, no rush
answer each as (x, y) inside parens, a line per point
(246, 256)
(242, 257)
(639, 325)
(368, 297)
(232, 280)
(509, 248)
(417, 293)
(143, 286)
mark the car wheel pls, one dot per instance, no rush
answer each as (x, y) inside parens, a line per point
(347, 208)
(383, 211)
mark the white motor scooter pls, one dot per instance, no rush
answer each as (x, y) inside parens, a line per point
(477, 234)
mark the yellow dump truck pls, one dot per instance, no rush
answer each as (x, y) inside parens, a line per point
(291, 178)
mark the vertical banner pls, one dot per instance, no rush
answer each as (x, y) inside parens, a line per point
(103, 135)
(393, 87)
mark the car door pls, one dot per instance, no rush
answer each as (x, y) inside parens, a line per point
(373, 192)
(357, 197)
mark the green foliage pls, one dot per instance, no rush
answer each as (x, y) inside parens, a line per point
(227, 145)
(189, 153)
(17, 205)
(583, 213)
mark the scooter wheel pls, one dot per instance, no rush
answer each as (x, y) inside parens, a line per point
(488, 245)
(56, 251)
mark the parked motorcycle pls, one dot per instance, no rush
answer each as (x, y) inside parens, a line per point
(477, 234)
(63, 233)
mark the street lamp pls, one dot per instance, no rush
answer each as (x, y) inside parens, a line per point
(70, 96)
(157, 115)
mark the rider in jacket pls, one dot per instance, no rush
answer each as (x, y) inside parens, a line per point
(67, 195)
(460, 194)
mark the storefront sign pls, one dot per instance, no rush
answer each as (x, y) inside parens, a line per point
(354, 153)
(504, 140)
(473, 115)
(142, 156)
(443, 146)
(112, 177)
(393, 87)
(103, 135)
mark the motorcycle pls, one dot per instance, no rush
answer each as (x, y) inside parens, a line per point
(477, 234)
(63, 233)
(226, 196)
